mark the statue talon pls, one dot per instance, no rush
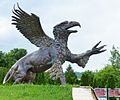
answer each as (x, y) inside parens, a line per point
(96, 49)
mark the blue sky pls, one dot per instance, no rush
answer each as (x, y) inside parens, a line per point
(100, 21)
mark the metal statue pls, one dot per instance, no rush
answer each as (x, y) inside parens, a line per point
(52, 53)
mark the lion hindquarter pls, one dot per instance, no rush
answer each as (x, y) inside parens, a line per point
(38, 61)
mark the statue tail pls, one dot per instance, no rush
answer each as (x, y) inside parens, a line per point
(9, 74)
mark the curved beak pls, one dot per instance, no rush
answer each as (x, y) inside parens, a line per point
(73, 24)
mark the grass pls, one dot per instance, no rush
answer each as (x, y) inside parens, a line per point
(35, 92)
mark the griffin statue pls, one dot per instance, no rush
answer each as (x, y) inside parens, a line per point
(52, 53)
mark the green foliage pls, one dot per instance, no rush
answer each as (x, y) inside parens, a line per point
(3, 61)
(87, 78)
(35, 92)
(115, 58)
(14, 55)
(107, 77)
(8, 59)
(40, 79)
(44, 78)
(70, 75)
(3, 72)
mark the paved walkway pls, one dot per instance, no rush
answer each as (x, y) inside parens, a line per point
(83, 93)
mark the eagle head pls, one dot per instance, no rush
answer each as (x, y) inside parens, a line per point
(63, 29)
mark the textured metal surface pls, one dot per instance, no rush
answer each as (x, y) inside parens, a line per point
(52, 53)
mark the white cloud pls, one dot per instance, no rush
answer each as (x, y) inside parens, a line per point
(5, 27)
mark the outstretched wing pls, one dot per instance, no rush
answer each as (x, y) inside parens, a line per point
(30, 27)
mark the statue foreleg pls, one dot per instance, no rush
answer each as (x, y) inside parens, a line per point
(82, 59)
(19, 76)
(56, 72)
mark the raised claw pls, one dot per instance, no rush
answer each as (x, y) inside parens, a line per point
(101, 47)
(97, 50)
(97, 44)
(102, 51)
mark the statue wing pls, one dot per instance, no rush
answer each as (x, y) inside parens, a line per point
(30, 27)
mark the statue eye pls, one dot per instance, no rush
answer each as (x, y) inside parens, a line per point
(58, 44)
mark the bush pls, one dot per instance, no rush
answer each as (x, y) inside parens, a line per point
(3, 72)
(44, 78)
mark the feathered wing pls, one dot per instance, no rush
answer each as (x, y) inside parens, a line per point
(30, 27)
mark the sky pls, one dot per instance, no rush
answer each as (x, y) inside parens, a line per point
(99, 19)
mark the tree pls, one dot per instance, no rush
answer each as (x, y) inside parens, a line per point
(3, 72)
(115, 58)
(44, 78)
(2, 59)
(106, 77)
(40, 79)
(87, 78)
(14, 55)
(70, 75)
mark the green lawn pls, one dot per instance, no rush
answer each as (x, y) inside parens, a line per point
(35, 92)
